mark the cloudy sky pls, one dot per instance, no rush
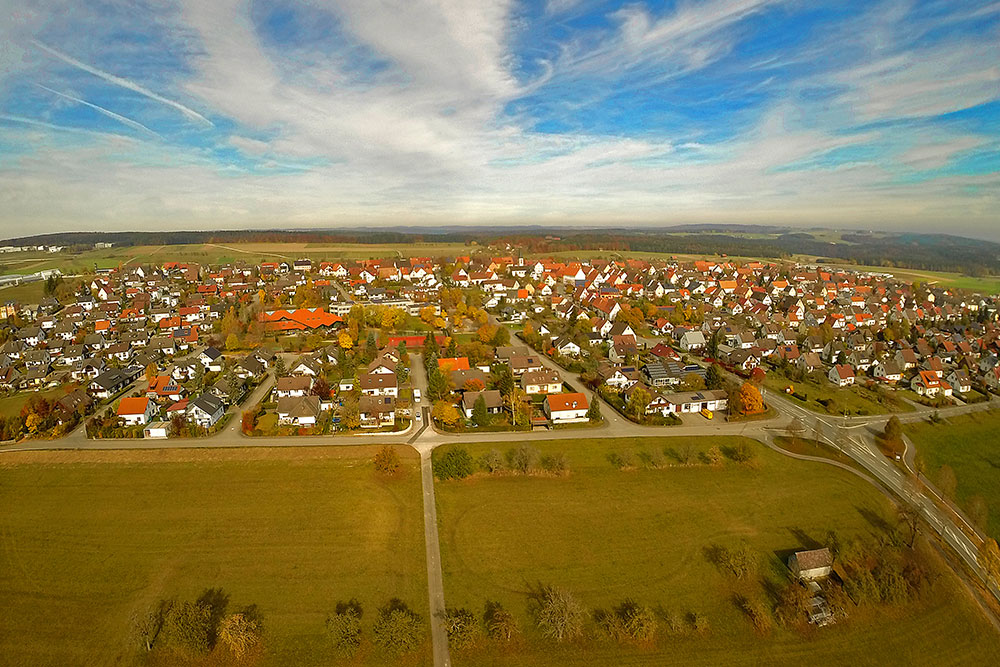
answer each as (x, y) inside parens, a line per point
(149, 114)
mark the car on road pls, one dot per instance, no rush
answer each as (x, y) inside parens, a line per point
(416, 395)
(419, 415)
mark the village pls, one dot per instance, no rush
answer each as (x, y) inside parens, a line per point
(178, 349)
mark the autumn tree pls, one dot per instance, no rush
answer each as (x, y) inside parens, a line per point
(398, 629)
(638, 400)
(462, 627)
(240, 634)
(750, 400)
(350, 414)
(232, 342)
(445, 413)
(151, 371)
(344, 627)
(473, 384)
(559, 614)
(500, 623)
(344, 340)
(486, 332)
(428, 314)
(989, 558)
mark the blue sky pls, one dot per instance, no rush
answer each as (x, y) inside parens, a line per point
(126, 114)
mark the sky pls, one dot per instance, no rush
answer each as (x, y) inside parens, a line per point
(125, 115)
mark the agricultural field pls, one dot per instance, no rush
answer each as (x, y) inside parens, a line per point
(90, 538)
(823, 396)
(969, 445)
(985, 285)
(607, 534)
(212, 253)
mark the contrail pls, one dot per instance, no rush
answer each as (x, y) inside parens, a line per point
(51, 126)
(110, 114)
(124, 83)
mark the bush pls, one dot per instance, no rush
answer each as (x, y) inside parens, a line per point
(699, 622)
(758, 615)
(500, 623)
(398, 629)
(629, 621)
(556, 464)
(456, 463)
(623, 460)
(492, 461)
(189, 626)
(742, 453)
(793, 604)
(387, 460)
(522, 459)
(462, 627)
(344, 627)
(560, 615)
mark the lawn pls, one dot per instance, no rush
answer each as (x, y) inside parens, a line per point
(969, 444)
(607, 534)
(856, 400)
(11, 405)
(88, 538)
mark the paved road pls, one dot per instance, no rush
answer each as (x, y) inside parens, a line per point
(435, 579)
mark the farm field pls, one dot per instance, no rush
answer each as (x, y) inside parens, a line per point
(606, 535)
(967, 443)
(212, 253)
(987, 285)
(89, 538)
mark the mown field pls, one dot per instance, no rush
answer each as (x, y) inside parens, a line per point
(89, 538)
(970, 444)
(606, 535)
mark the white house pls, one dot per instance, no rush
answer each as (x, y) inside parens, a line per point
(692, 341)
(566, 408)
(544, 381)
(136, 410)
(841, 375)
(206, 410)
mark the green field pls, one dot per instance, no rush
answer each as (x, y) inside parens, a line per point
(88, 538)
(856, 400)
(970, 445)
(11, 405)
(211, 253)
(986, 285)
(607, 535)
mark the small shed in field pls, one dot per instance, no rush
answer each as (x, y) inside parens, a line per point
(812, 564)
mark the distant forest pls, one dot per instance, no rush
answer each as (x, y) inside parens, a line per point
(934, 252)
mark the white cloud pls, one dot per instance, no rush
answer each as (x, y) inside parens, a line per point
(938, 154)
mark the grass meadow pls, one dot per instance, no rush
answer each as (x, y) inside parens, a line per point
(89, 538)
(969, 444)
(607, 534)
